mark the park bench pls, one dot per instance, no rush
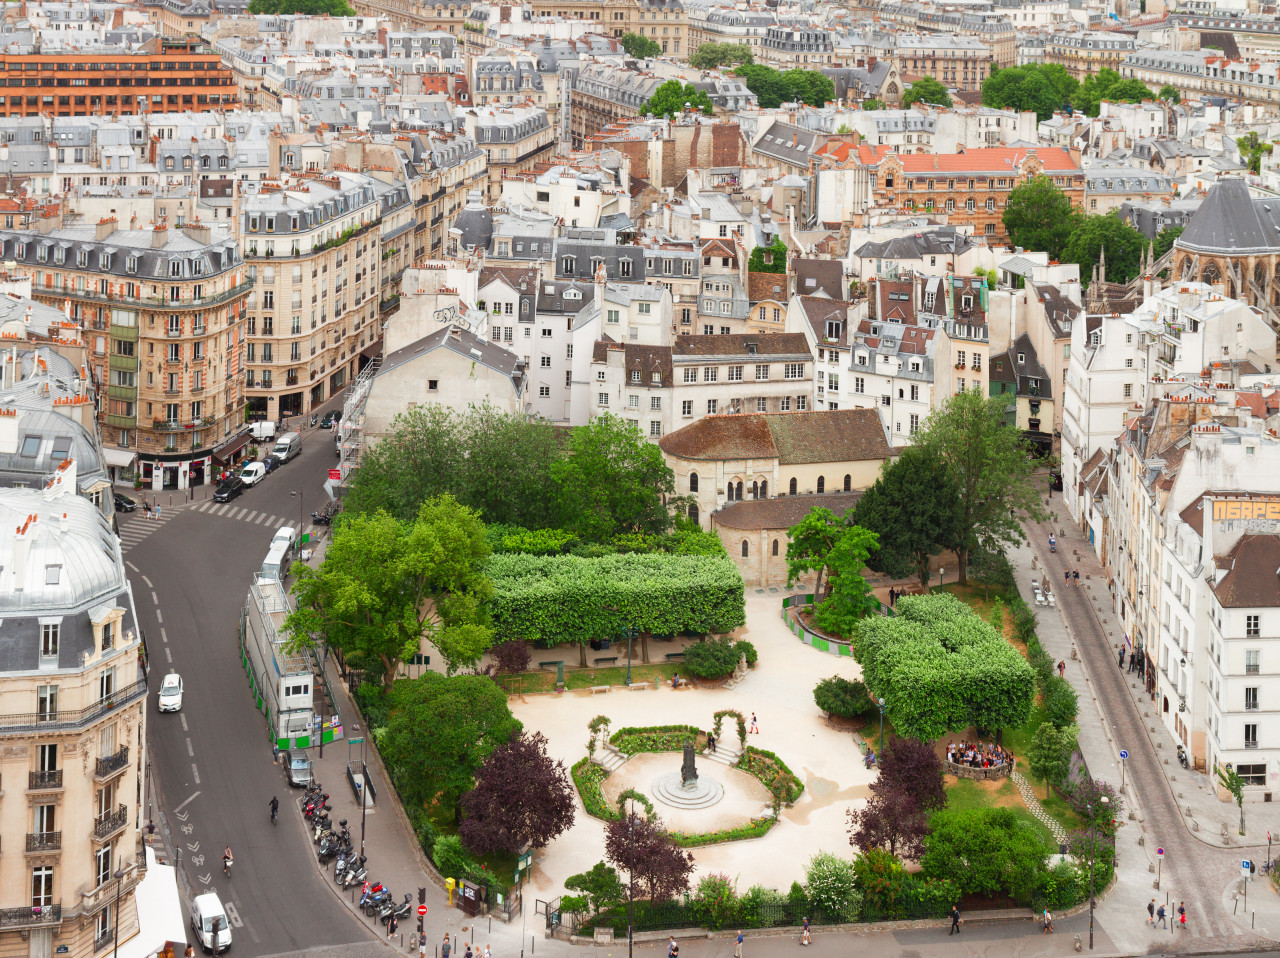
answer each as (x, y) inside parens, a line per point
(599, 688)
(605, 660)
(672, 656)
(551, 664)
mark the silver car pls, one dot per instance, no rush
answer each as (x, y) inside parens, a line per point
(297, 768)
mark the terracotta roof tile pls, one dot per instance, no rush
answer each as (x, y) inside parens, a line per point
(1252, 580)
(751, 515)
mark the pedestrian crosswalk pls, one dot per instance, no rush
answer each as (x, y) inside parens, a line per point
(229, 510)
(138, 526)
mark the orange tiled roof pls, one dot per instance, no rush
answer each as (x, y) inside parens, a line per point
(997, 159)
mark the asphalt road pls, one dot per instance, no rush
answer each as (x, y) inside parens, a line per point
(212, 762)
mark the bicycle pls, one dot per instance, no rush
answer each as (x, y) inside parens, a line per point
(275, 806)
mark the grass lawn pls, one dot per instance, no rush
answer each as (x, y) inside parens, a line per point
(544, 680)
(980, 598)
(963, 794)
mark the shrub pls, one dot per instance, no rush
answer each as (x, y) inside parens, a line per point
(715, 901)
(1060, 703)
(743, 647)
(423, 829)
(882, 880)
(756, 828)
(760, 907)
(588, 776)
(372, 700)
(452, 859)
(844, 698)
(766, 767)
(655, 738)
(832, 886)
(711, 658)
(512, 656)
(1062, 886)
(984, 851)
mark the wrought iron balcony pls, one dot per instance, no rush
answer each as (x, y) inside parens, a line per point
(47, 779)
(44, 841)
(107, 825)
(33, 915)
(105, 767)
(51, 719)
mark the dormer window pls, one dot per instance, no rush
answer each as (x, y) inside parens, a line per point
(1022, 358)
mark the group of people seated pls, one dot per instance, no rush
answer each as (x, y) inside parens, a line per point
(976, 754)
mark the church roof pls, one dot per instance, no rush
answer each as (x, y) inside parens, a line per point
(1231, 222)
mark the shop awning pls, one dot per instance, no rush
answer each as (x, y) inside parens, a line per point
(228, 449)
(120, 458)
(160, 912)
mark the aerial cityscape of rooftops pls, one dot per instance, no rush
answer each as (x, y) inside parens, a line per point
(562, 476)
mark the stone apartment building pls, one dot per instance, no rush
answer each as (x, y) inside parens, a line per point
(314, 252)
(796, 47)
(513, 139)
(74, 724)
(959, 62)
(1087, 51)
(161, 308)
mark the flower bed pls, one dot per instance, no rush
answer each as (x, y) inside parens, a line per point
(757, 828)
(765, 766)
(589, 778)
(655, 738)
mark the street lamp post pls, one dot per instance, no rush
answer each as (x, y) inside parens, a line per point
(297, 542)
(880, 702)
(1093, 837)
(115, 934)
(631, 634)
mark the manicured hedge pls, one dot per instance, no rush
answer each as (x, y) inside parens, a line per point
(654, 738)
(552, 599)
(765, 766)
(940, 668)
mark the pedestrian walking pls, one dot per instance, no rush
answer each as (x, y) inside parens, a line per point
(1075, 578)
(1160, 917)
(275, 753)
(711, 742)
(754, 727)
(892, 595)
(955, 921)
(146, 509)
(392, 922)
(157, 512)
(487, 953)
(467, 951)
(737, 948)
(1151, 912)
(151, 832)
(1122, 658)
(674, 951)
(671, 947)
(1047, 918)
(1062, 669)
(446, 947)
(1182, 915)
(1067, 576)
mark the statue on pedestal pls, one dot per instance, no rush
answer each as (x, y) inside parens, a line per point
(688, 770)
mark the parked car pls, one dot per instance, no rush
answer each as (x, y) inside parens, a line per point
(170, 699)
(330, 419)
(124, 503)
(209, 922)
(270, 463)
(229, 489)
(253, 473)
(297, 768)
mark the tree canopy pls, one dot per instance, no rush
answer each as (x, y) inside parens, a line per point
(639, 46)
(777, 253)
(773, 88)
(314, 8)
(1039, 216)
(926, 90)
(641, 848)
(849, 598)
(385, 585)
(439, 731)
(1252, 148)
(1042, 88)
(984, 851)
(670, 99)
(1170, 93)
(708, 56)
(1049, 757)
(912, 508)
(1166, 238)
(1107, 84)
(521, 797)
(1093, 234)
(991, 466)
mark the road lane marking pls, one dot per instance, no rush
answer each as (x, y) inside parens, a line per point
(148, 582)
(164, 636)
(191, 752)
(182, 715)
(266, 519)
(252, 516)
(132, 566)
(195, 772)
(159, 617)
(187, 801)
(168, 656)
(155, 599)
(233, 915)
(241, 513)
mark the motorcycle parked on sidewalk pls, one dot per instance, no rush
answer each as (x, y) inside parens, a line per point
(401, 911)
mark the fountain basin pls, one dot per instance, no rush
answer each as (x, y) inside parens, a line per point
(702, 792)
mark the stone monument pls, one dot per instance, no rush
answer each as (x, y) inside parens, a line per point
(684, 789)
(688, 770)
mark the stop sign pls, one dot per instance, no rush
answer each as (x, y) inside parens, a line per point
(422, 910)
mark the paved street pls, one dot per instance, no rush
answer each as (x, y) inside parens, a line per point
(211, 761)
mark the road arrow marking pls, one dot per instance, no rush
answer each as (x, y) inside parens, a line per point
(185, 803)
(194, 846)
(205, 879)
(181, 816)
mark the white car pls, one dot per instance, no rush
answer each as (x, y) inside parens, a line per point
(252, 474)
(171, 693)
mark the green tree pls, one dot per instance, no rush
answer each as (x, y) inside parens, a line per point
(1233, 783)
(420, 457)
(1093, 235)
(600, 886)
(642, 48)
(1170, 93)
(843, 129)
(871, 103)
(1166, 238)
(439, 731)
(1107, 84)
(670, 99)
(832, 885)
(386, 585)
(926, 90)
(765, 82)
(1039, 88)
(1049, 757)
(912, 507)
(809, 545)
(612, 480)
(314, 8)
(984, 851)
(708, 56)
(776, 253)
(991, 466)
(809, 86)
(849, 597)
(1039, 216)
(1252, 148)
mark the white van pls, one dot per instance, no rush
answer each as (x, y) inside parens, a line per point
(262, 429)
(283, 537)
(276, 565)
(207, 914)
(287, 446)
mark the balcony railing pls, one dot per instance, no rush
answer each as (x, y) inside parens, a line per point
(112, 763)
(110, 823)
(44, 841)
(146, 302)
(47, 779)
(51, 720)
(29, 916)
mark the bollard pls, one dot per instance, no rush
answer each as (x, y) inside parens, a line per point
(1253, 919)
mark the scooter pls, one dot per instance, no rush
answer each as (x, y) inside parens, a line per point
(314, 419)
(356, 871)
(374, 905)
(330, 848)
(401, 910)
(1053, 544)
(1182, 756)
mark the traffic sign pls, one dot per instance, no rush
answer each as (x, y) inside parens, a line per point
(1123, 754)
(335, 475)
(422, 910)
(1160, 852)
(355, 741)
